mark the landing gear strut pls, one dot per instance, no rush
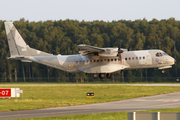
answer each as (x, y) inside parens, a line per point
(109, 75)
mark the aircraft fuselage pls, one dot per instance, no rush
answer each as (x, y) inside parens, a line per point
(129, 60)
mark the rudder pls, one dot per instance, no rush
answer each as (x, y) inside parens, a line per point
(17, 45)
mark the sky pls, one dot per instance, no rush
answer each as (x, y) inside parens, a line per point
(89, 10)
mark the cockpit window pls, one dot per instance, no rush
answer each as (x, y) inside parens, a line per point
(160, 54)
(164, 53)
(157, 54)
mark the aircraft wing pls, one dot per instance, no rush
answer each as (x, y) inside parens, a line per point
(87, 49)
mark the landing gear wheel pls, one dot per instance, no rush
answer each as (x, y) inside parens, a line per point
(95, 75)
(102, 75)
(109, 75)
(163, 71)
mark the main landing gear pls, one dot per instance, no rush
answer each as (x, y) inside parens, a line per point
(102, 75)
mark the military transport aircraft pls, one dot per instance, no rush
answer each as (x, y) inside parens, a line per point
(101, 62)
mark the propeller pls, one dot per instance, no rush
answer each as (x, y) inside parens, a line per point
(174, 56)
(119, 50)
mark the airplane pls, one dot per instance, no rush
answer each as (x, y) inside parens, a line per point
(101, 62)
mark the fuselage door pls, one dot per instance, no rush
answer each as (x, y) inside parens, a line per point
(148, 60)
(142, 60)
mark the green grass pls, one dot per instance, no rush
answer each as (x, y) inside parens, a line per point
(95, 116)
(165, 110)
(36, 96)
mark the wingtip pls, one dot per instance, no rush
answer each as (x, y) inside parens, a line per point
(82, 45)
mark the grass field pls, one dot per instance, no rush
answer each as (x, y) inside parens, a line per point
(36, 96)
(96, 116)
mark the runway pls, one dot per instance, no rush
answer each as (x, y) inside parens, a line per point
(171, 100)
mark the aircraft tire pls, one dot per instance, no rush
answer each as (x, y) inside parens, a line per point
(163, 71)
(102, 75)
(95, 75)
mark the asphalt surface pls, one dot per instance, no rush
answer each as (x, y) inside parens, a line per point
(171, 100)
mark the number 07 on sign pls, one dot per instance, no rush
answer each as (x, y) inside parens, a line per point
(10, 92)
(5, 92)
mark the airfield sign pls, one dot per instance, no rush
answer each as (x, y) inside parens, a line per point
(10, 92)
(5, 92)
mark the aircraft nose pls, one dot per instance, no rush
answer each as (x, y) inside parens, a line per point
(171, 61)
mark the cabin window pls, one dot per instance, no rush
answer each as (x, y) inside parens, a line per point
(114, 59)
(108, 60)
(80, 62)
(125, 58)
(87, 61)
(129, 58)
(136, 58)
(132, 58)
(90, 61)
(97, 60)
(104, 59)
(139, 57)
(94, 60)
(101, 60)
(111, 59)
(83, 61)
(76, 62)
(143, 57)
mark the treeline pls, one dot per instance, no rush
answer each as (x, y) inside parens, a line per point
(61, 37)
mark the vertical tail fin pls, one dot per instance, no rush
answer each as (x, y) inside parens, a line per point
(17, 45)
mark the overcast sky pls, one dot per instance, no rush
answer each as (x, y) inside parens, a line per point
(89, 10)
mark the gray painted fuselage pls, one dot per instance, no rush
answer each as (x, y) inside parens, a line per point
(130, 60)
(91, 60)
